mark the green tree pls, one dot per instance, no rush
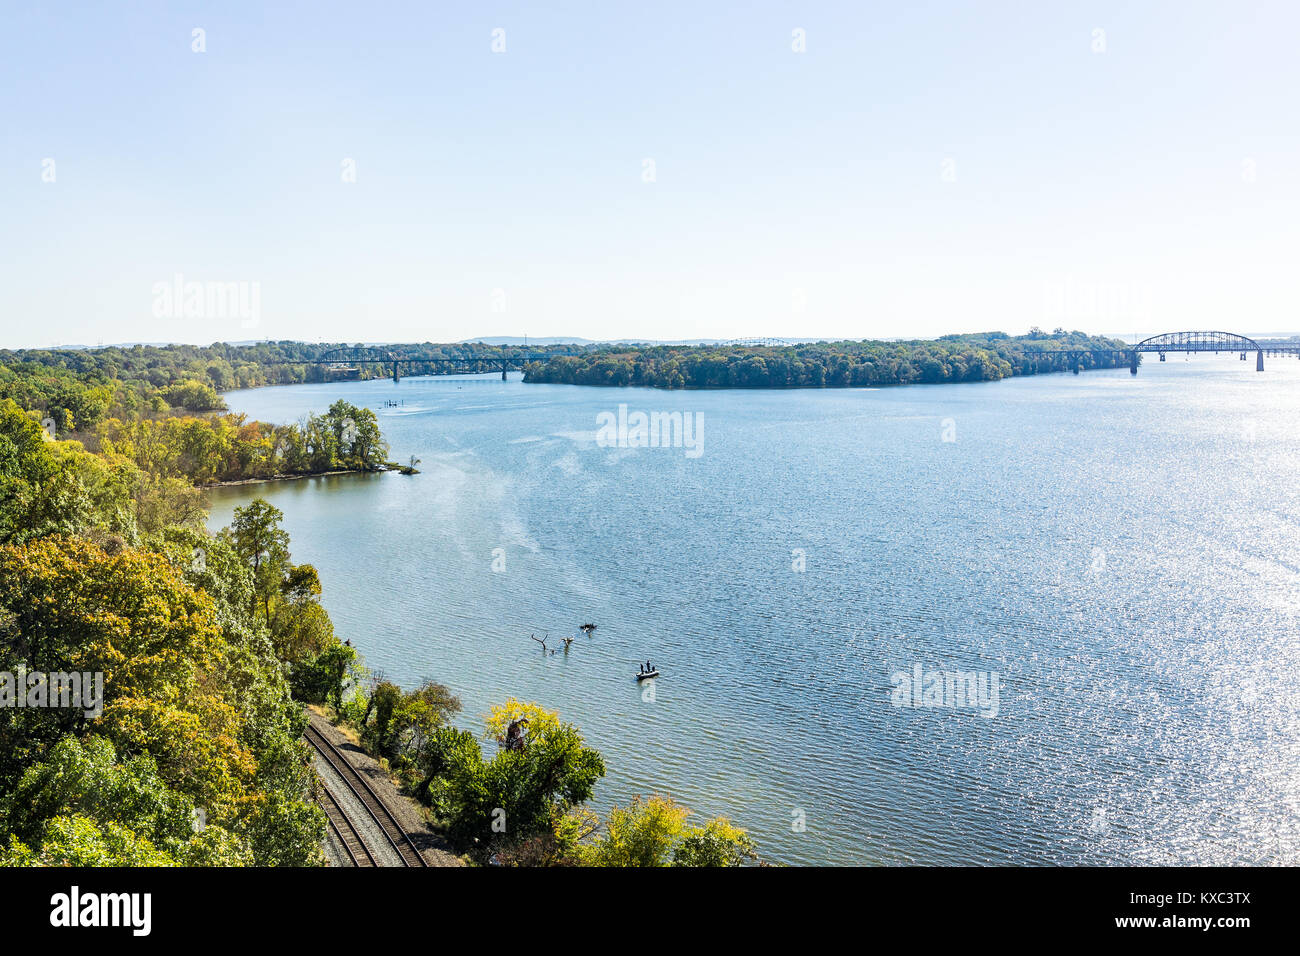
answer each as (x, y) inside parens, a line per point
(193, 395)
(641, 834)
(518, 795)
(264, 546)
(36, 497)
(717, 843)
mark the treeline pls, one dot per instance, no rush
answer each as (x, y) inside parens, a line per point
(180, 430)
(146, 373)
(77, 401)
(953, 358)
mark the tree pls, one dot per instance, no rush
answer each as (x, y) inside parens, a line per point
(36, 496)
(79, 841)
(264, 545)
(641, 834)
(324, 678)
(717, 843)
(653, 832)
(519, 794)
(206, 722)
(300, 628)
(355, 434)
(404, 722)
(382, 702)
(105, 568)
(193, 395)
(444, 756)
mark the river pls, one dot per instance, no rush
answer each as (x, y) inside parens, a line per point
(1121, 554)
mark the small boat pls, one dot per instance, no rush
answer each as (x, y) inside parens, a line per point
(644, 674)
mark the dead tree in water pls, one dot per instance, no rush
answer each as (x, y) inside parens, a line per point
(515, 734)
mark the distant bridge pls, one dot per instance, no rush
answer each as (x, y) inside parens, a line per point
(751, 342)
(348, 357)
(1162, 345)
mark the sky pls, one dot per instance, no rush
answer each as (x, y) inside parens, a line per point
(441, 171)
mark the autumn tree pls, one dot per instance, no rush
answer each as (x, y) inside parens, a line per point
(654, 832)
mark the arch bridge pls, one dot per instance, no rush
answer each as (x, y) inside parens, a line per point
(1215, 342)
(1165, 343)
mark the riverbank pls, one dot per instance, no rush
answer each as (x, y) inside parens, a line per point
(311, 474)
(949, 360)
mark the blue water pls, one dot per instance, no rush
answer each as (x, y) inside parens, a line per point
(1122, 552)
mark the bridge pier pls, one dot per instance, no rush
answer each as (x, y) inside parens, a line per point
(1259, 361)
(396, 375)
(1133, 362)
(1162, 356)
(503, 371)
(1074, 364)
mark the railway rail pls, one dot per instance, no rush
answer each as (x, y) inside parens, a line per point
(346, 832)
(360, 788)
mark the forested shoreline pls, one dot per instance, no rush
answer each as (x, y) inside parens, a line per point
(150, 369)
(194, 757)
(980, 357)
(204, 649)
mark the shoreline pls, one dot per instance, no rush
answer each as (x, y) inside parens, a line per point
(313, 474)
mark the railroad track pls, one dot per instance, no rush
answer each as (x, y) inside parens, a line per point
(349, 837)
(360, 788)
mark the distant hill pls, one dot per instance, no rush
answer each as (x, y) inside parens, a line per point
(765, 340)
(520, 340)
(576, 340)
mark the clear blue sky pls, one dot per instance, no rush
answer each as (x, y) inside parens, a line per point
(1153, 185)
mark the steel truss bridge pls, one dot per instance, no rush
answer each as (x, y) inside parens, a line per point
(1162, 345)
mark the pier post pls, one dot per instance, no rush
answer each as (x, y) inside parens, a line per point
(1259, 361)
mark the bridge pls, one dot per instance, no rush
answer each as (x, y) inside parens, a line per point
(1162, 345)
(347, 358)
(751, 342)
